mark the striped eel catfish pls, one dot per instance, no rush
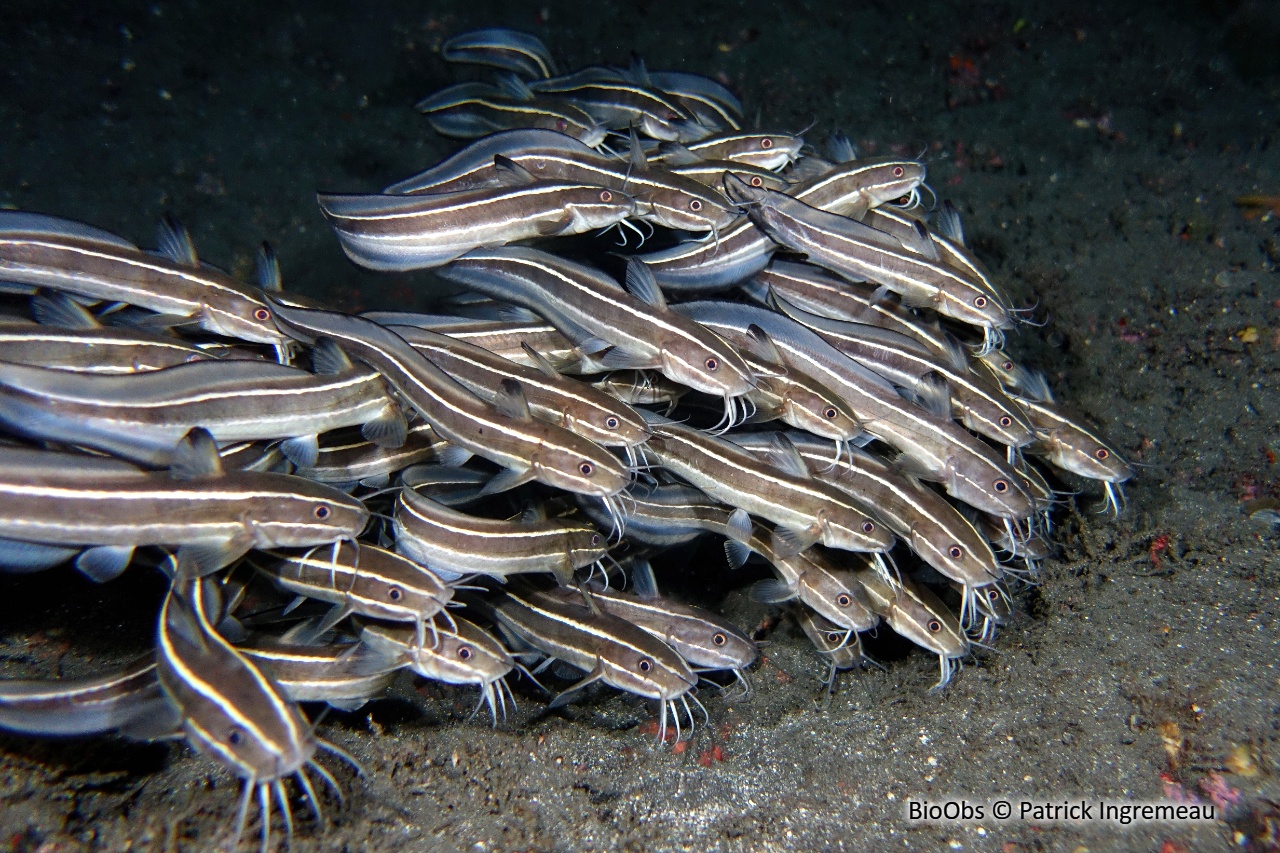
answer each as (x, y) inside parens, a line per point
(454, 544)
(934, 448)
(397, 233)
(916, 613)
(922, 518)
(468, 110)
(861, 252)
(45, 251)
(593, 311)
(128, 701)
(343, 676)
(499, 47)
(506, 434)
(231, 710)
(212, 517)
(142, 416)
(607, 648)
(364, 579)
(780, 490)
(464, 654)
(662, 196)
(554, 398)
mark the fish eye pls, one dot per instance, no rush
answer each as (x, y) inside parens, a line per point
(595, 538)
(695, 205)
(395, 593)
(606, 196)
(562, 125)
(645, 664)
(834, 637)
(1101, 453)
(934, 626)
(719, 639)
(956, 552)
(464, 653)
(980, 302)
(235, 736)
(322, 512)
(830, 413)
(611, 422)
(867, 527)
(713, 363)
(993, 595)
(756, 181)
(1001, 486)
(586, 469)
(844, 599)
(1006, 421)
(766, 143)
(1006, 365)
(898, 171)
(262, 315)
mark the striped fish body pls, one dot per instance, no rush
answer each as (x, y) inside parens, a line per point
(75, 500)
(97, 350)
(457, 544)
(398, 233)
(343, 676)
(142, 416)
(86, 706)
(44, 251)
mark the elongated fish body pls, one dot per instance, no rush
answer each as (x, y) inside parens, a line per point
(339, 675)
(557, 399)
(704, 640)
(456, 544)
(938, 448)
(44, 251)
(468, 110)
(500, 337)
(608, 648)
(499, 47)
(588, 305)
(743, 250)
(69, 499)
(819, 292)
(947, 383)
(365, 580)
(346, 457)
(398, 233)
(840, 649)
(772, 151)
(848, 247)
(918, 615)
(618, 103)
(530, 449)
(809, 511)
(142, 416)
(663, 197)
(97, 350)
(463, 654)
(669, 514)
(922, 518)
(231, 711)
(83, 706)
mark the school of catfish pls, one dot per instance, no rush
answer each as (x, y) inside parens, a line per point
(747, 339)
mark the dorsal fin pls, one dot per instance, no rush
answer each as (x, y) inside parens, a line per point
(513, 87)
(55, 308)
(934, 394)
(196, 455)
(642, 285)
(643, 582)
(762, 346)
(511, 401)
(638, 163)
(540, 361)
(268, 268)
(784, 456)
(175, 242)
(675, 154)
(948, 223)
(511, 173)
(328, 359)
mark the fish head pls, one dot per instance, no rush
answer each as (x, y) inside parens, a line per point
(243, 319)
(581, 467)
(598, 207)
(302, 513)
(702, 360)
(826, 416)
(689, 207)
(585, 545)
(655, 673)
(837, 596)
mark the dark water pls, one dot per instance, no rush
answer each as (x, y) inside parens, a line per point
(1095, 150)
